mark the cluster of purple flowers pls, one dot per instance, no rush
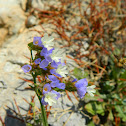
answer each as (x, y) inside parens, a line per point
(48, 58)
(51, 59)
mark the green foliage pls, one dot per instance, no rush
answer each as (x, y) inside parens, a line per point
(31, 46)
(123, 74)
(112, 88)
(110, 116)
(95, 108)
(91, 124)
(115, 88)
(79, 74)
(116, 98)
(121, 112)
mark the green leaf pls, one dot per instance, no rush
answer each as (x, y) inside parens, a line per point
(117, 51)
(108, 86)
(32, 87)
(115, 73)
(28, 124)
(94, 108)
(123, 75)
(79, 74)
(110, 116)
(116, 96)
(89, 108)
(30, 45)
(91, 124)
(121, 112)
(122, 85)
(32, 104)
(85, 74)
(124, 102)
(100, 108)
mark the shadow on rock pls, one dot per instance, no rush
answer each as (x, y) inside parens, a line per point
(12, 120)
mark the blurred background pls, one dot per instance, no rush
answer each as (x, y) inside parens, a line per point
(93, 35)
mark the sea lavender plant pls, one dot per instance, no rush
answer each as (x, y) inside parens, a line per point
(49, 64)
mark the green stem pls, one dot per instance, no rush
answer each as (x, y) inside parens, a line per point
(43, 112)
(31, 55)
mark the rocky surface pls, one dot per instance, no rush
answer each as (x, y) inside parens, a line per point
(12, 56)
(12, 17)
(15, 36)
